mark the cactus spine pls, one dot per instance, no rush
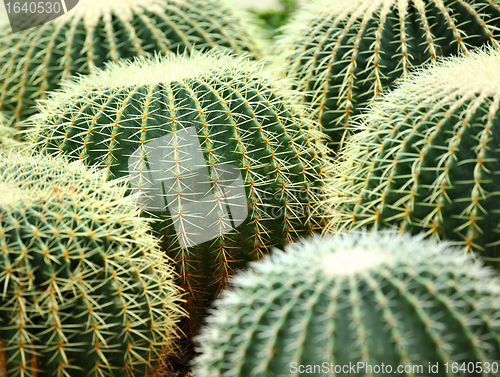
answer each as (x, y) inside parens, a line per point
(373, 299)
(85, 290)
(7, 134)
(344, 53)
(213, 144)
(427, 160)
(35, 61)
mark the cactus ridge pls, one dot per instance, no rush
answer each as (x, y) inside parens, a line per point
(369, 298)
(35, 61)
(244, 124)
(85, 290)
(345, 53)
(426, 158)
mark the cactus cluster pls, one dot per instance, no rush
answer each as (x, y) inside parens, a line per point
(85, 290)
(427, 158)
(215, 146)
(35, 61)
(344, 53)
(367, 301)
(162, 157)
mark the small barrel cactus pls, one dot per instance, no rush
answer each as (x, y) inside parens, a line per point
(349, 305)
(98, 31)
(85, 290)
(215, 147)
(428, 158)
(344, 53)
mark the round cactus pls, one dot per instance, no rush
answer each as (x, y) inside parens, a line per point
(344, 53)
(367, 301)
(85, 290)
(98, 31)
(428, 160)
(220, 157)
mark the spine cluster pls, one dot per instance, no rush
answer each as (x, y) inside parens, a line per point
(345, 53)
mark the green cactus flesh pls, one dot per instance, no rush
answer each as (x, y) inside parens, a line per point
(427, 159)
(367, 300)
(85, 290)
(344, 53)
(35, 61)
(184, 128)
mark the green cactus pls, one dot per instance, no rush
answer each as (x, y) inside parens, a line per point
(35, 61)
(365, 300)
(214, 144)
(344, 53)
(85, 290)
(427, 160)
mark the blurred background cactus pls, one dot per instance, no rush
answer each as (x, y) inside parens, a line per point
(271, 15)
(344, 53)
(35, 61)
(217, 149)
(85, 289)
(427, 159)
(373, 299)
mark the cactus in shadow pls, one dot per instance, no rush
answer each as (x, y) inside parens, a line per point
(345, 53)
(214, 145)
(426, 158)
(351, 304)
(85, 290)
(35, 61)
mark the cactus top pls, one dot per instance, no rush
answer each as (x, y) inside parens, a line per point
(478, 72)
(343, 257)
(153, 72)
(91, 11)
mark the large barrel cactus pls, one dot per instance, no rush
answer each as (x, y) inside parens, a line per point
(98, 31)
(85, 290)
(428, 159)
(368, 305)
(344, 53)
(213, 145)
